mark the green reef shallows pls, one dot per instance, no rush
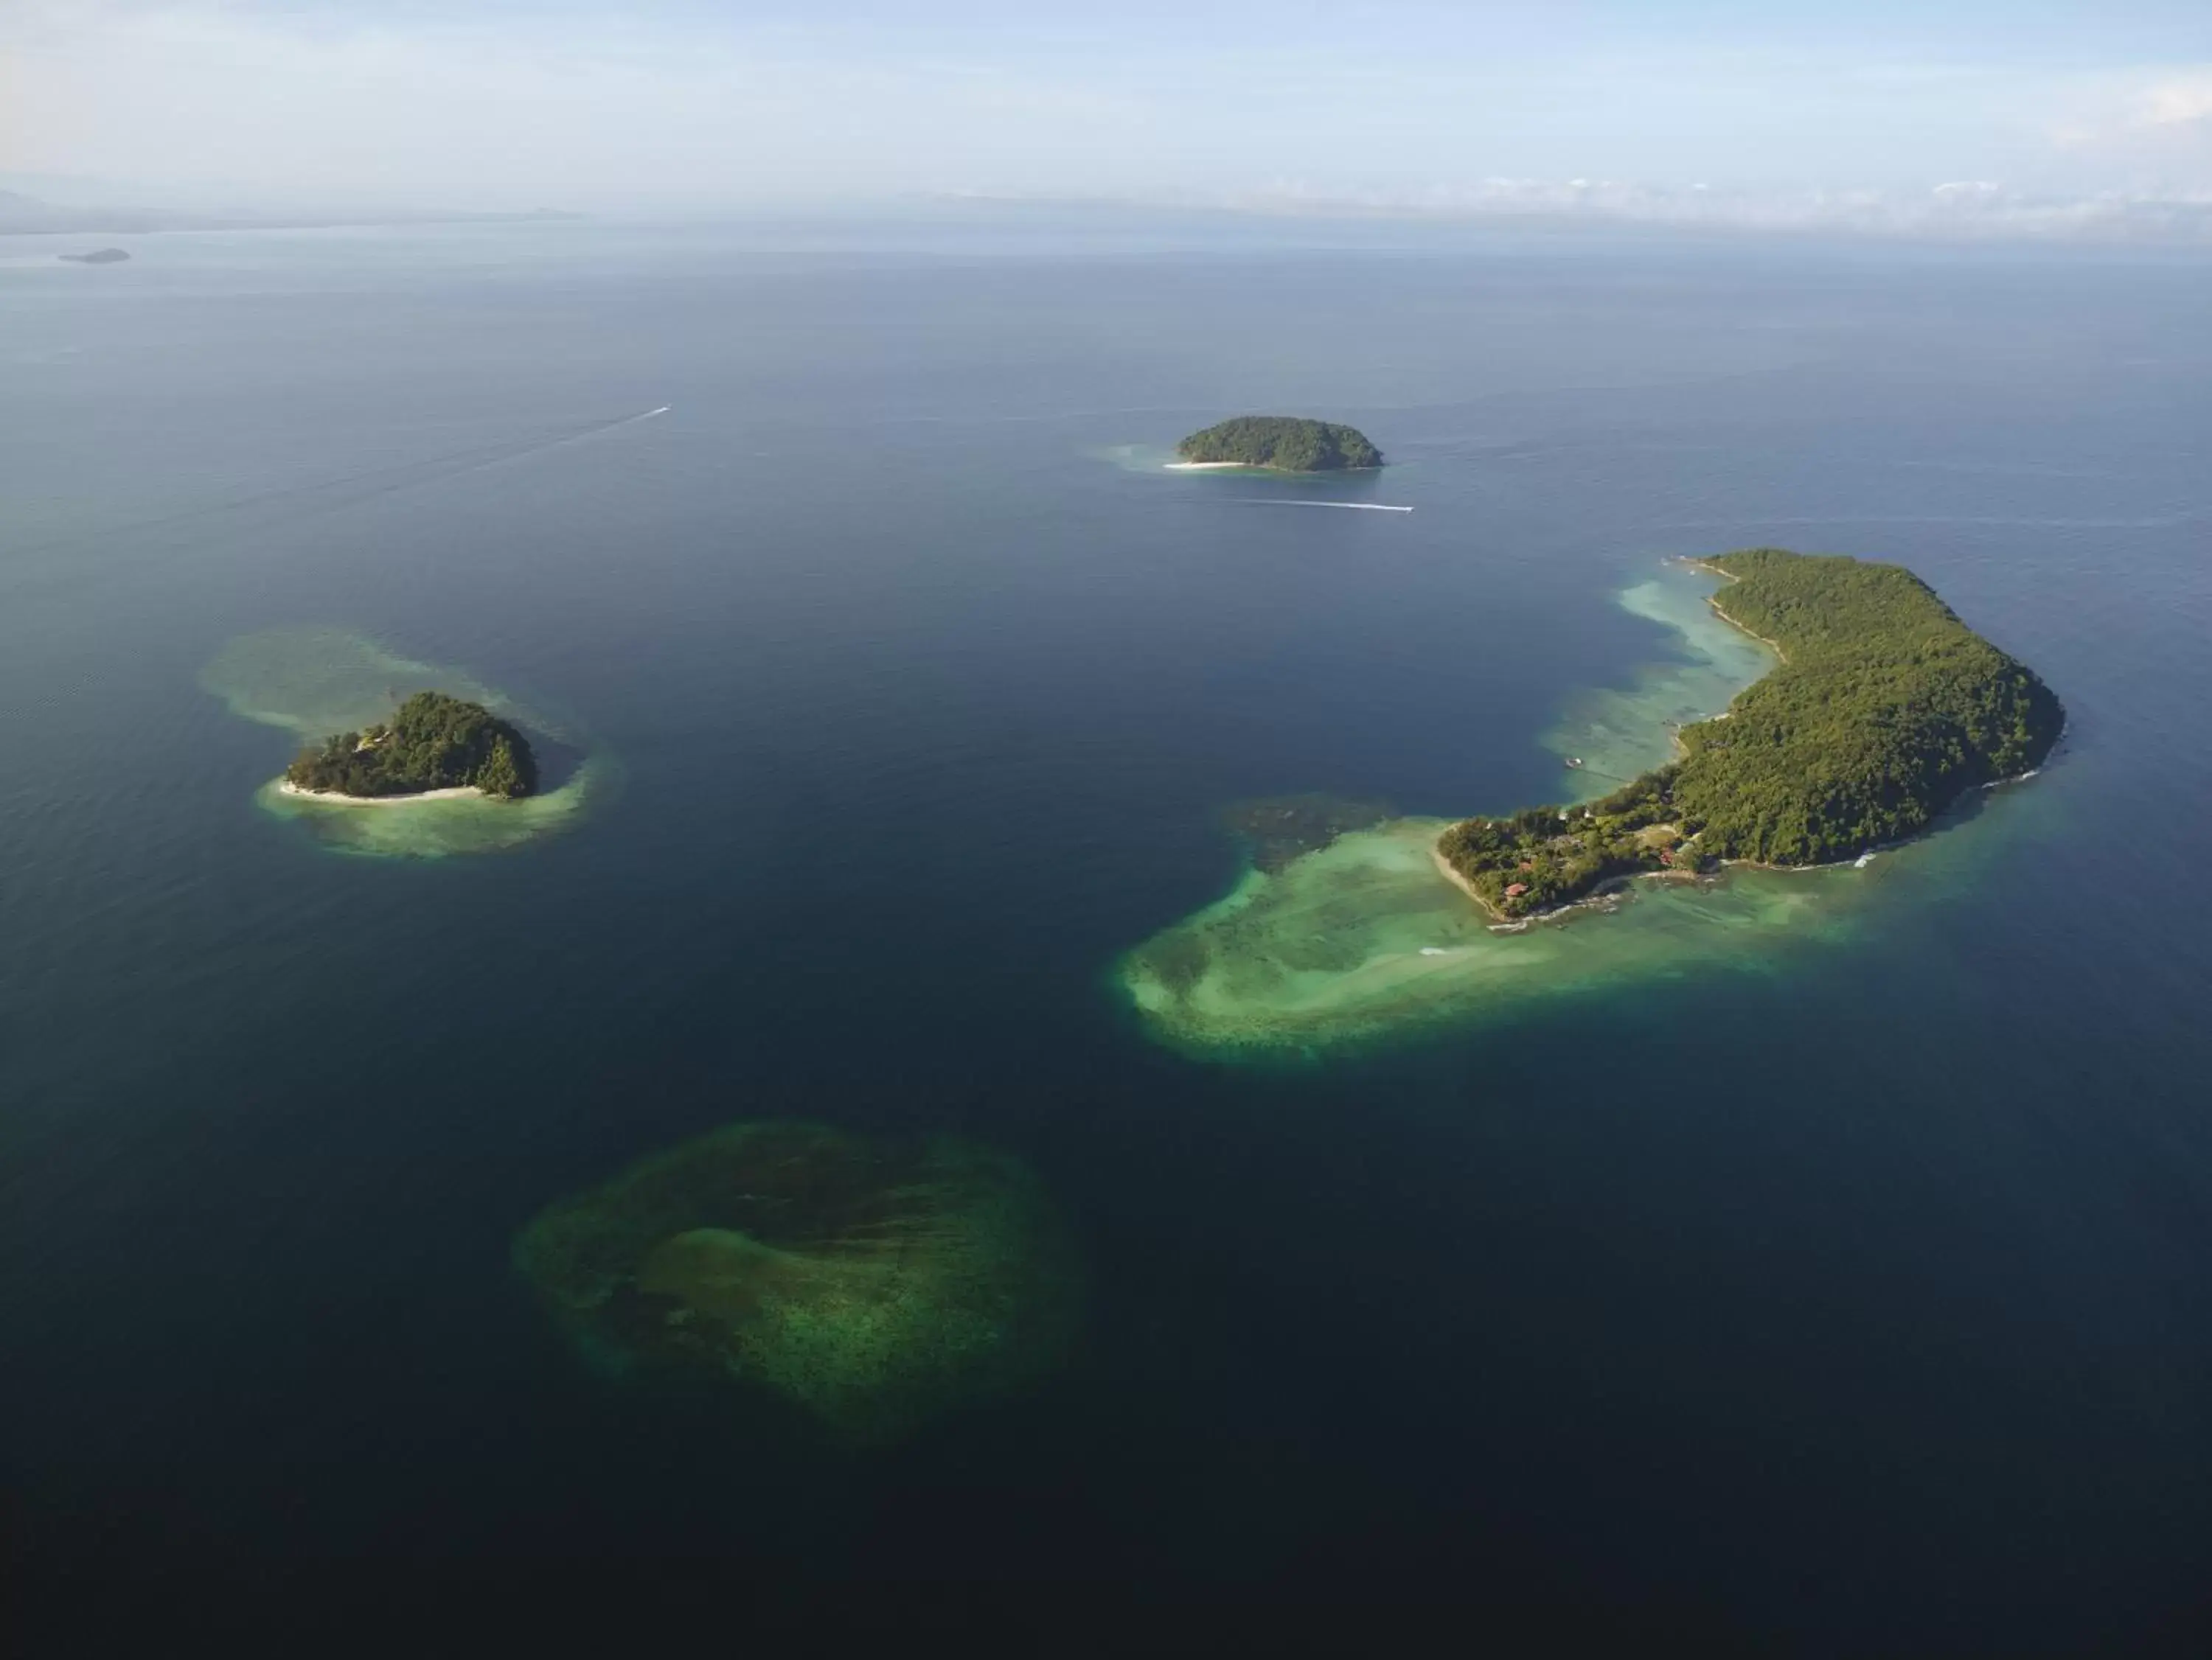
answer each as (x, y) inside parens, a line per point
(315, 681)
(1620, 734)
(1364, 938)
(876, 1283)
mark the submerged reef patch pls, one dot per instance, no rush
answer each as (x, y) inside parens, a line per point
(876, 1283)
(315, 681)
(1277, 829)
(1365, 938)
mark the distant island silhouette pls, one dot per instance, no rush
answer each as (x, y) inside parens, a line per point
(1283, 443)
(98, 257)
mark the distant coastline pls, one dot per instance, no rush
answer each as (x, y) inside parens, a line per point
(26, 215)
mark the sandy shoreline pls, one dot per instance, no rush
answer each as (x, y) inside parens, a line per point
(459, 792)
(1445, 870)
(1262, 467)
(1590, 901)
(1443, 865)
(1721, 611)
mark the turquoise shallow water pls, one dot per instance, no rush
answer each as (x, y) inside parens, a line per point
(311, 683)
(1365, 940)
(1847, 1292)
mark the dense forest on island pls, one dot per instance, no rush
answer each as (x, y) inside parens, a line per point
(434, 742)
(1884, 710)
(1286, 443)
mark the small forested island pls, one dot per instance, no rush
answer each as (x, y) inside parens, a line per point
(98, 257)
(1884, 710)
(1286, 444)
(434, 742)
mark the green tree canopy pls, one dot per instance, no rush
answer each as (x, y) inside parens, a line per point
(1287, 443)
(434, 742)
(1884, 709)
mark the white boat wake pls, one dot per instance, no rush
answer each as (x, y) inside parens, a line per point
(614, 425)
(1356, 506)
(347, 489)
(597, 429)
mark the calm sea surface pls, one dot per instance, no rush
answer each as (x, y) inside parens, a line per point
(1859, 1301)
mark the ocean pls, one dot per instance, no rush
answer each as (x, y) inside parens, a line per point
(1840, 1294)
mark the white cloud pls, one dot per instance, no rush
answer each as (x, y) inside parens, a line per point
(2181, 102)
(584, 112)
(2149, 123)
(588, 105)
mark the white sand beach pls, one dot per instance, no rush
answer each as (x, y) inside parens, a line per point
(459, 792)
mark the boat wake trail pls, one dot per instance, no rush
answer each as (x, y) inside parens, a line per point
(323, 496)
(1356, 506)
(597, 429)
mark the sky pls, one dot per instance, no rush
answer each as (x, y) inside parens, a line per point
(2000, 115)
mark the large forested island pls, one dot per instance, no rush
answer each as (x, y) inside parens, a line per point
(434, 742)
(1884, 710)
(1286, 444)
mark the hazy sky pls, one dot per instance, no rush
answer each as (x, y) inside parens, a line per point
(1393, 103)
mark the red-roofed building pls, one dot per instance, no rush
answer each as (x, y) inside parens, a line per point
(1516, 890)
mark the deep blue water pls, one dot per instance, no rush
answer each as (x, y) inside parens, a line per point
(1862, 1305)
